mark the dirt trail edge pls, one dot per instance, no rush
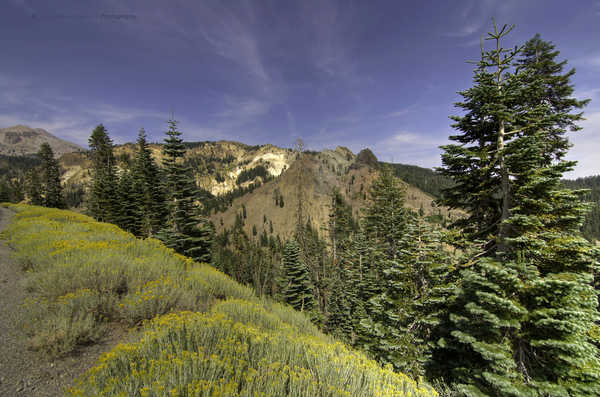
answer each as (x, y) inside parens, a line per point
(24, 372)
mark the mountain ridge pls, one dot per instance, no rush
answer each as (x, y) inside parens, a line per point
(20, 140)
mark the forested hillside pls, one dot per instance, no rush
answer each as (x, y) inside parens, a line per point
(425, 179)
(591, 225)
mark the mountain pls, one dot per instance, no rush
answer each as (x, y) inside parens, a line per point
(235, 176)
(22, 140)
(318, 173)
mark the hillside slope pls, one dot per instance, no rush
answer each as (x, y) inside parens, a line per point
(318, 173)
(214, 336)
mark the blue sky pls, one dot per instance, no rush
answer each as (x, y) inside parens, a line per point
(377, 74)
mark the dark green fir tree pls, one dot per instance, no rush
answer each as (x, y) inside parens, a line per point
(185, 231)
(51, 188)
(33, 187)
(297, 288)
(129, 212)
(520, 320)
(102, 203)
(148, 189)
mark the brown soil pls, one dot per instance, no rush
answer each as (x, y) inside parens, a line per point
(24, 372)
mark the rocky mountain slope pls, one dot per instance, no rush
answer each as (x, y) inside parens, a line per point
(257, 178)
(318, 173)
(22, 140)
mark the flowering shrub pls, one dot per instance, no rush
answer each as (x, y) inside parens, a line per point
(109, 274)
(196, 354)
(202, 333)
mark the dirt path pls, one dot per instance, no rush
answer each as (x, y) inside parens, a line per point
(24, 372)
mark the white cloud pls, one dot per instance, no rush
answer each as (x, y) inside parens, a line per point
(63, 116)
(402, 138)
(401, 112)
(587, 62)
(586, 147)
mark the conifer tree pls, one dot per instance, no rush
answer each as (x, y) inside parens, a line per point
(148, 189)
(51, 187)
(33, 187)
(102, 201)
(185, 231)
(389, 228)
(339, 308)
(129, 212)
(356, 284)
(520, 318)
(559, 297)
(298, 290)
(385, 215)
(340, 222)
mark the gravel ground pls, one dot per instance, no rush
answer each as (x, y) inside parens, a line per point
(24, 372)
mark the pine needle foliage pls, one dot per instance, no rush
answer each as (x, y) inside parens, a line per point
(129, 213)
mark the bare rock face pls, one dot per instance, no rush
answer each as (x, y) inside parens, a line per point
(21, 140)
(365, 158)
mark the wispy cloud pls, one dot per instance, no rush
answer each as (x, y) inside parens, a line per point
(291, 121)
(232, 37)
(66, 117)
(475, 18)
(472, 17)
(332, 26)
(402, 139)
(588, 93)
(411, 148)
(401, 112)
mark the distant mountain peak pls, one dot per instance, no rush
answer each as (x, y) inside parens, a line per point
(22, 140)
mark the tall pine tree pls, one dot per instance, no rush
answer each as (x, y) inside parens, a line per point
(128, 217)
